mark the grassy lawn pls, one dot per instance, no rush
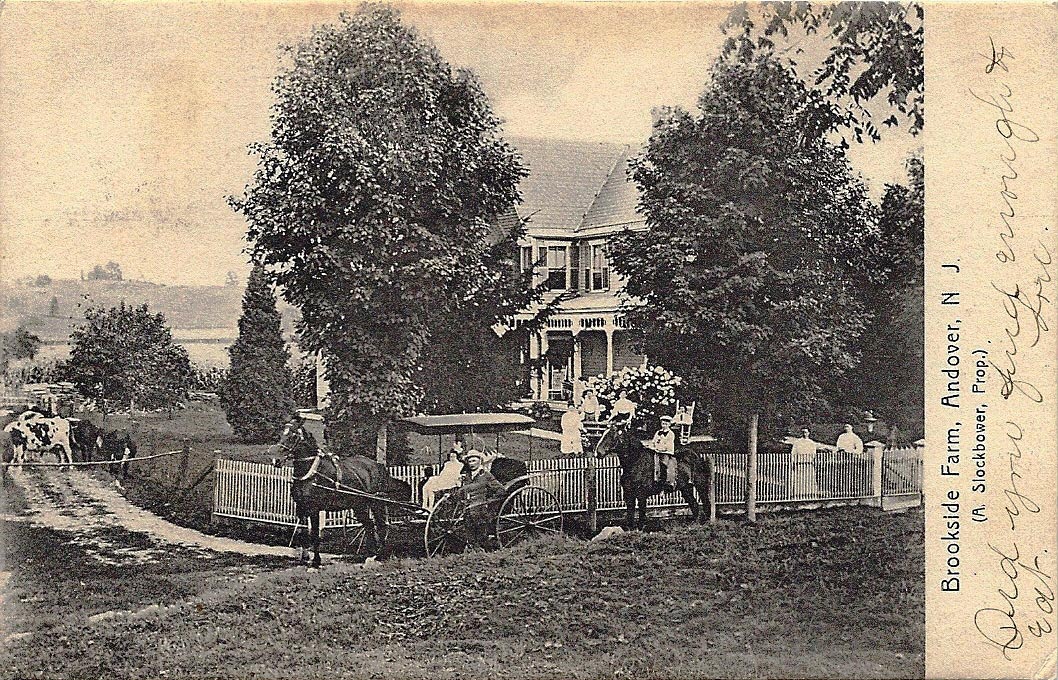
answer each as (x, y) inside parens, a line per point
(835, 593)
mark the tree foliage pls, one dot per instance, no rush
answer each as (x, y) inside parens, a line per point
(890, 379)
(125, 356)
(111, 271)
(372, 204)
(258, 392)
(873, 49)
(18, 344)
(757, 227)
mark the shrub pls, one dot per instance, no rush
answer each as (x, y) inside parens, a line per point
(653, 388)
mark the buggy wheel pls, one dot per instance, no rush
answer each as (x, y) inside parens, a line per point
(446, 526)
(528, 512)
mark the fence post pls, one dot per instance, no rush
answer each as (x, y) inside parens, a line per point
(380, 444)
(920, 450)
(751, 470)
(711, 482)
(591, 481)
(874, 451)
(185, 457)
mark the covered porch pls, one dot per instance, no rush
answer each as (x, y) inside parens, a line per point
(573, 347)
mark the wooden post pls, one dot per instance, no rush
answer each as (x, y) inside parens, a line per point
(380, 445)
(874, 451)
(185, 457)
(592, 484)
(712, 490)
(751, 470)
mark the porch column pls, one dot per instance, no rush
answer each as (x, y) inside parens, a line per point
(577, 367)
(323, 387)
(609, 351)
(534, 373)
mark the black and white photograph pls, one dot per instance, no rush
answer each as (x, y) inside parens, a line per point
(473, 340)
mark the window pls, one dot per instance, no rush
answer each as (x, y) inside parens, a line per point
(526, 260)
(600, 268)
(555, 261)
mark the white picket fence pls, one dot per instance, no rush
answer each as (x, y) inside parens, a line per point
(259, 492)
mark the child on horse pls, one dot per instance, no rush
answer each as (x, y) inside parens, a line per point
(664, 446)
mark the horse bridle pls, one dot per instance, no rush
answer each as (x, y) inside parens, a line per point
(291, 450)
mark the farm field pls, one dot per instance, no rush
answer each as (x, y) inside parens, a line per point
(834, 593)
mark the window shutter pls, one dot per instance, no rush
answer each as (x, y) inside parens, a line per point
(585, 266)
(574, 261)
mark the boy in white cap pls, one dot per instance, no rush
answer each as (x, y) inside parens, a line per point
(664, 445)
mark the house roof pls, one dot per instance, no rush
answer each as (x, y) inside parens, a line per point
(616, 204)
(564, 180)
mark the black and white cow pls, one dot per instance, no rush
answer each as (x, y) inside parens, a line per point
(32, 431)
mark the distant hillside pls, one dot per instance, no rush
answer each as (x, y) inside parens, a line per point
(185, 307)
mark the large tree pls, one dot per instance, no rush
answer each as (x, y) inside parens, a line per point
(858, 52)
(258, 391)
(890, 379)
(757, 227)
(125, 356)
(372, 206)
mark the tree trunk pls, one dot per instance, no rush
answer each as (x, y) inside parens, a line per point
(751, 470)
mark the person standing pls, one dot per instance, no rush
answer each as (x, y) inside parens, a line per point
(590, 406)
(850, 442)
(803, 467)
(572, 424)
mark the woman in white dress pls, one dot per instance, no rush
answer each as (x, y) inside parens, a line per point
(572, 424)
(803, 467)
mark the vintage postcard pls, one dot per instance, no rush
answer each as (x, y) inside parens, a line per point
(528, 340)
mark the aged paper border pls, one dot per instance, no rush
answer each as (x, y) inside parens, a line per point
(966, 175)
(991, 166)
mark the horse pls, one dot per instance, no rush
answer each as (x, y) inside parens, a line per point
(694, 471)
(323, 482)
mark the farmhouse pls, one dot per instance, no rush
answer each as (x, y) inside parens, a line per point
(576, 197)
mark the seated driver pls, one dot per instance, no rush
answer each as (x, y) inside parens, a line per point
(479, 490)
(664, 446)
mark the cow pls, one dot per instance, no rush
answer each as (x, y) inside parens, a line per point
(118, 446)
(32, 431)
(86, 439)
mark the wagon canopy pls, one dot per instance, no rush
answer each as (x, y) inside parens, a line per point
(466, 423)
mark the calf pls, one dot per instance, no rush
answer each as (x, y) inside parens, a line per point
(32, 431)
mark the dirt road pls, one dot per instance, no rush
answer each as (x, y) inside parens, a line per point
(89, 508)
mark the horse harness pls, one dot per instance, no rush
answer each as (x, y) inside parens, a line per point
(314, 469)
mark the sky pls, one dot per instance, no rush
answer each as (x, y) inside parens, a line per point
(124, 126)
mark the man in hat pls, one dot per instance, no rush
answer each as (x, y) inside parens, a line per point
(664, 446)
(480, 490)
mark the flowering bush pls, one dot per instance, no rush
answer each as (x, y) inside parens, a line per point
(653, 389)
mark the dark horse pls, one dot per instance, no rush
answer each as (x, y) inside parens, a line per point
(322, 482)
(694, 471)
